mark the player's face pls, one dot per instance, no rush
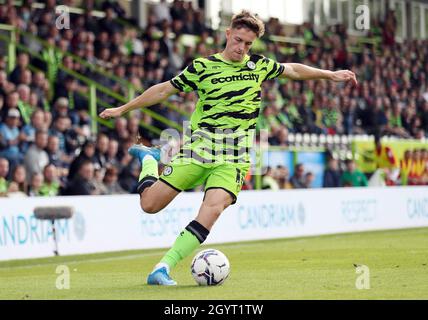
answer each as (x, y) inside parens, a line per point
(239, 42)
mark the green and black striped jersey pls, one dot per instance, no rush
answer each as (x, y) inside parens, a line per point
(229, 92)
(229, 95)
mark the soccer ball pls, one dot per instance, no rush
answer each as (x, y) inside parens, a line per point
(210, 267)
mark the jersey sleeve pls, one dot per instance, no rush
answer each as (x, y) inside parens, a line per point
(188, 79)
(273, 69)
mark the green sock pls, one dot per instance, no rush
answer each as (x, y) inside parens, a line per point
(149, 167)
(183, 246)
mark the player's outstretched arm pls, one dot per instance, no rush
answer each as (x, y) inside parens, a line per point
(297, 71)
(151, 96)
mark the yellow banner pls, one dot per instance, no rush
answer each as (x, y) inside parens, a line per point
(364, 151)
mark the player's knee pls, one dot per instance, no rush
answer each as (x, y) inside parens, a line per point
(149, 206)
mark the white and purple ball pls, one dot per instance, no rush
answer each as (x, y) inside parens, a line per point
(210, 267)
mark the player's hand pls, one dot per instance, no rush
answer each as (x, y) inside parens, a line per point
(344, 75)
(111, 113)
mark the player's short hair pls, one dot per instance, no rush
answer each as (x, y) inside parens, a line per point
(246, 19)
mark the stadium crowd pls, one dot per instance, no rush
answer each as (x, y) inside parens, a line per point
(46, 147)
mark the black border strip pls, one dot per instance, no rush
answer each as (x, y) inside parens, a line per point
(218, 309)
(170, 185)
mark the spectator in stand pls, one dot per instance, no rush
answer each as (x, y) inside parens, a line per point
(1, 106)
(81, 129)
(68, 63)
(61, 109)
(175, 59)
(331, 117)
(111, 181)
(352, 176)
(36, 182)
(36, 158)
(22, 63)
(283, 177)
(12, 100)
(416, 129)
(279, 136)
(200, 26)
(268, 181)
(133, 43)
(26, 78)
(161, 11)
(68, 137)
(87, 153)
(177, 9)
(332, 174)
(424, 114)
(29, 130)
(69, 89)
(4, 172)
(112, 151)
(108, 23)
(24, 104)
(101, 149)
(90, 22)
(380, 118)
(51, 184)
(58, 130)
(389, 28)
(58, 158)
(298, 179)
(98, 183)
(120, 132)
(10, 138)
(39, 86)
(133, 126)
(19, 180)
(420, 134)
(5, 85)
(82, 181)
(115, 5)
(309, 179)
(395, 121)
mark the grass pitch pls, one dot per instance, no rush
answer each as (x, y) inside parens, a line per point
(301, 268)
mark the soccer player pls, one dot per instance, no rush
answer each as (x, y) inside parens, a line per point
(214, 152)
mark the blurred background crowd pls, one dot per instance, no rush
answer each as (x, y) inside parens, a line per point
(46, 146)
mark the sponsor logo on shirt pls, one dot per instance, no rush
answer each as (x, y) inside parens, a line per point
(239, 77)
